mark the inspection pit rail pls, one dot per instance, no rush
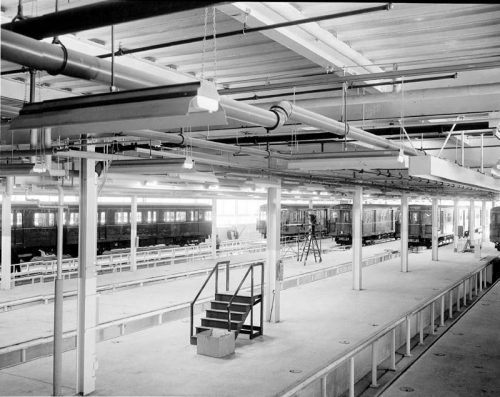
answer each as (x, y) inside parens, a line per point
(475, 280)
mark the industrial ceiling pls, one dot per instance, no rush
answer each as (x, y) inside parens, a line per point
(319, 96)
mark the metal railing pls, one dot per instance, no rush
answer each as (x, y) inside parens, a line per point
(474, 280)
(40, 271)
(215, 270)
(251, 271)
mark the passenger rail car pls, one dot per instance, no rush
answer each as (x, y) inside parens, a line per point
(420, 225)
(35, 228)
(379, 222)
(295, 220)
(495, 227)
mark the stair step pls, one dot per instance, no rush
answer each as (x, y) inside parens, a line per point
(235, 307)
(226, 297)
(219, 323)
(222, 314)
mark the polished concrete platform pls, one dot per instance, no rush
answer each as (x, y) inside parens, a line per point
(319, 321)
(464, 362)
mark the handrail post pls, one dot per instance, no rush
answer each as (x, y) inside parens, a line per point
(476, 279)
(351, 377)
(393, 350)
(227, 276)
(470, 289)
(458, 297)
(191, 330)
(480, 280)
(262, 298)
(374, 365)
(324, 392)
(465, 294)
(450, 309)
(251, 297)
(217, 278)
(421, 327)
(408, 337)
(442, 311)
(433, 315)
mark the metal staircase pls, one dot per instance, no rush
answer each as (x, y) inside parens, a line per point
(230, 311)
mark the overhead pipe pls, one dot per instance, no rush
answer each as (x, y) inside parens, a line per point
(202, 143)
(104, 13)
(57, 59)
(313, 119)
(23, 50)
(416, 95)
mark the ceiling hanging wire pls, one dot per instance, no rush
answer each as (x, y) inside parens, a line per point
(214, 27)
(112, 87)
(204, 44)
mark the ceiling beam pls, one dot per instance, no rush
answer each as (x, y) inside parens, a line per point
(310, 40)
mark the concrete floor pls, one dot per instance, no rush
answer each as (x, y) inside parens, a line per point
(464, 362)
(36, 321)
(320, 321)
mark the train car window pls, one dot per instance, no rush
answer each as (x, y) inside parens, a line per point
(102, 217)
(11, 219)
(149, 217)
(43, 219)
(139, 217)
(426, 218)
(168, 216)
(64, 218)
(208, 215)
(191, 216)
(121, 218)
(19, 219)
(414, 217)
(180, 216)
(74, 217)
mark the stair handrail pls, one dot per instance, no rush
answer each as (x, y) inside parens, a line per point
(214, 269)
(250, 269)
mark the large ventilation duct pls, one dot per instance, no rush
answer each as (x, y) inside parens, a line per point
(97, 15)
(57, 60)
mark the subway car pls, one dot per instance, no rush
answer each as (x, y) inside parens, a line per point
(34, 228)
(495, 227)
(379, 222)
(420, 225)
(296, 220)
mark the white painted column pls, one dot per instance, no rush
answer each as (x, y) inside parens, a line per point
(214, 228)
(472, 221)
(484, 229)
(404, 232)
(133, 234)
(455, 225)
(273, 286)
(435, 221)
(6, 233)
(86, 360)
(357, 239)
(58, 345)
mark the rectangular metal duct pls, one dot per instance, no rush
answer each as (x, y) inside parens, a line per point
(159, 108)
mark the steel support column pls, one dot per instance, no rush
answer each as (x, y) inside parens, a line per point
(133, 234)
(483, 222)
(455, 225)
(272, 292)
(357, 239)
(435, 221)
(86, 361)
(214, 228)
(404, 232)
(58, 303)
(6, 234)
(472, 221)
